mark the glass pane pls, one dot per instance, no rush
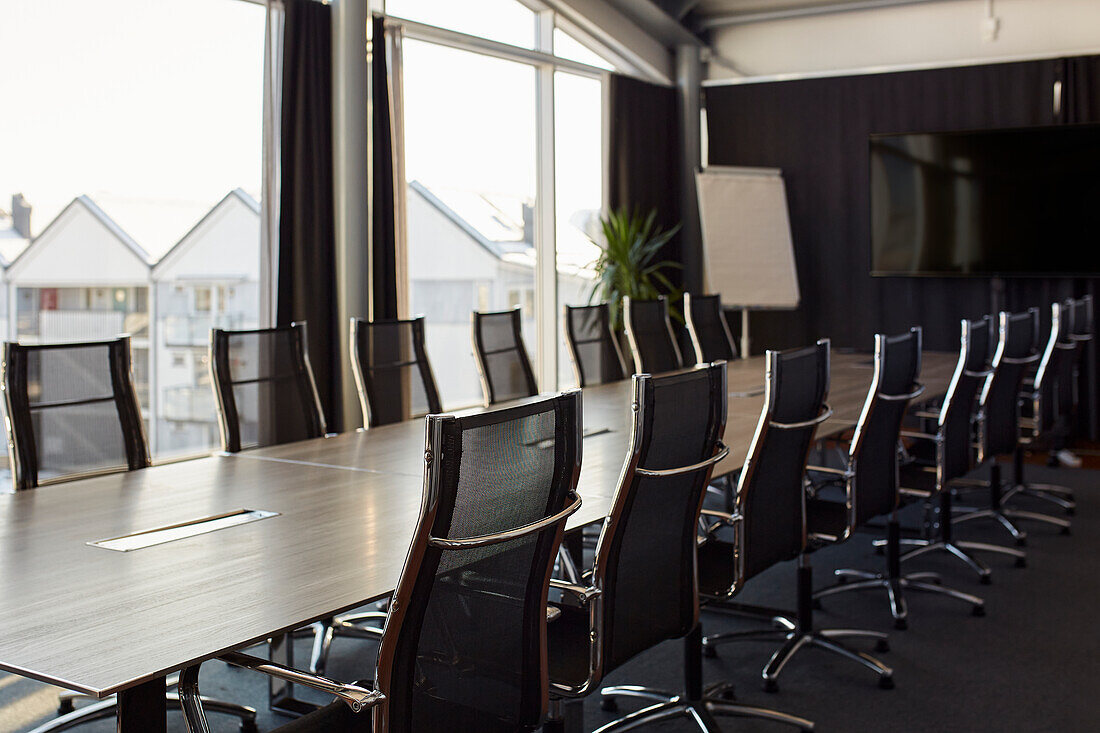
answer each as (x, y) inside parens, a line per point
(136, 120)
(578, 148)
(470, 165)
(567, 47)
(506, 21)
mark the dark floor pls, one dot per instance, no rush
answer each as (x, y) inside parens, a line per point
(1032, 664)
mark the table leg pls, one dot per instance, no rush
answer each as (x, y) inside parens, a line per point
(280, 693)
(142, 708)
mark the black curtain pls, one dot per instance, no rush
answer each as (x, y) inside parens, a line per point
(816, 131)
(643, 158)
(384, 240)
(307, 242)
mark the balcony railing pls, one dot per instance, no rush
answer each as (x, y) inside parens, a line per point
(188, 404)
(194, 330)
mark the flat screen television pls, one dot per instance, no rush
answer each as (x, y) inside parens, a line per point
(1015, 202)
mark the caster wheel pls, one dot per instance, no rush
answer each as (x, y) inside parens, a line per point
(1021, 562)
(249, 726)
(988, 580)
(842, 580)
(886, 683)
(977, 611)
(771, 686)
(1066, 530)
(816, 604)
(882, 645)
(727, 694)
(1071, 512)
(710, 652)
(609, 704)
(65, 707)
(880, 551)
(1021, 542)
(900, 624)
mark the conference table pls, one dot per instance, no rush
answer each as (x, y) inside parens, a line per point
(200, 557)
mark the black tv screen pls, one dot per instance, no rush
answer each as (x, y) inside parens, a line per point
(994, 203)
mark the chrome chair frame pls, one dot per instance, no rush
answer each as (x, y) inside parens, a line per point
(892, 580)
(359, 698)
(640, 368)
(798, 632)
(945, 541)
(1059, 341)
(698, 704)
(700, 358)
(996, 510)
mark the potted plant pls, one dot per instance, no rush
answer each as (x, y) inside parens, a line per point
(628, 264)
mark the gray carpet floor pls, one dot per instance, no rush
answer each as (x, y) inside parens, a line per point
(1032, 664)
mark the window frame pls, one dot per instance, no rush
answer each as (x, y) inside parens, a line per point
(545, 64)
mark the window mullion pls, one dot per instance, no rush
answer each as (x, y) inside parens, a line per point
(546, 283)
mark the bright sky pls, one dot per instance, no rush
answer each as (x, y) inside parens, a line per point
(133, 102)
(153, 108)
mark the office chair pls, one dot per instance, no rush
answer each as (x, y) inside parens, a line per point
(1083, 335)
(870, 480)
(464, 646)
(642, 588)
(264, 387)
(953, 456)
(502, 361)
(72, 413)
(392, 373)
(1047, 407)
(770, 521)
(998, 419)
(597, 357)
(709, 330)
(652, 340)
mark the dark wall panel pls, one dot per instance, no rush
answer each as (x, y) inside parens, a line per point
(816, 131)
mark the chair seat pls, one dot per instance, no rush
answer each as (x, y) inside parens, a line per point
(568, 646)
(716, 568)
(825, 517)
(915, 478)
(335, 717)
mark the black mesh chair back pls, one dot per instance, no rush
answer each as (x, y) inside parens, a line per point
(1057, 357)
(956, 434)
(999, 405)
(1081, 323)
(72, 410)
(645, 557)
(597, 358)
(873, 454)
(1062, 366)
(264, 387)
(502, 361)
(709, 330)
(652, 341)
(464, 648)
(770, 495)
(392, 372)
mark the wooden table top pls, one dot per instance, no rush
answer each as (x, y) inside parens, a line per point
(99, 621)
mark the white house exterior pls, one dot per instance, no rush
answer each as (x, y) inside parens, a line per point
(210, 278)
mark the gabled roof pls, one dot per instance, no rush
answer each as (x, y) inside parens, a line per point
(236, 194)
(497, 248)
(102, 217)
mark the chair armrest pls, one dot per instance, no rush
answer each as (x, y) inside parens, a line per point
(724, 519)
(584, 593)
(355, 696)
(918, 436)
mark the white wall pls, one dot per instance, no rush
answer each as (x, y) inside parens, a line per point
(935, 33)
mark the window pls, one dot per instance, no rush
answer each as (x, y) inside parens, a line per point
(506, 21)
(119, 161)
(472, 136)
